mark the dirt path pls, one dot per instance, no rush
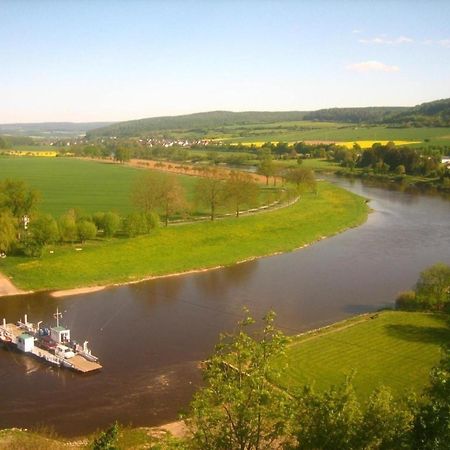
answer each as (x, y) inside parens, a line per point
(7, 288)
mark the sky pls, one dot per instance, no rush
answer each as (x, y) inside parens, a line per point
(109, 60)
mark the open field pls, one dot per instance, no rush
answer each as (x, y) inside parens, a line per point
(391, 348)
(325, 131)
(191, 246)
(91, 186)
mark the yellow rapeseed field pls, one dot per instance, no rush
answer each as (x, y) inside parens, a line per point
(368, 144)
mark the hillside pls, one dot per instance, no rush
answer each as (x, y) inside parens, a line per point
(199, 122)
(430, 114)
(373, 114)
(50, 128)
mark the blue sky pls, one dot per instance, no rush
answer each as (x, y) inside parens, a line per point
(118, 60)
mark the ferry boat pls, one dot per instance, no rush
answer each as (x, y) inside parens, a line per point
(52, 345)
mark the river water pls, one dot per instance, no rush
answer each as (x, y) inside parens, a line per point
(151, 336)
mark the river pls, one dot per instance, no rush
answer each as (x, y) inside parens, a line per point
(151, 336)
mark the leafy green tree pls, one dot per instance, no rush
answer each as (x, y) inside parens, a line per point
(238, 408)
(407, 301)
(240, 189)
(110, 224)
(122, 154)
(266, 168)
(209, 190)
(302, 177)
(17, 197)
(138, 223)
(432, 423)
(86, 230)
(8, 231)
(386, 422)
(328, 420)
(42, 230)
(68, 228)
(433, 286)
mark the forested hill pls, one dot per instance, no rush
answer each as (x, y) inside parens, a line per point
(197, 122)
(435, 113)
(431, 114)
(372, 114)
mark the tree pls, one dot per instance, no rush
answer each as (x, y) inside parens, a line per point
(238, 408)
(8, 231)
(432, 423)
(386, 423)
(68, 228)
(266, 168)
(328, 420)
(171, 197)
(240, 189)
(433, 286)
(17, 197)
(210, 189)
(86, 230)
(145, 195)
(122, 154)
(302, 177)
(43, 230)
(110, 223)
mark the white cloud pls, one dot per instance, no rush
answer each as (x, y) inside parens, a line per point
(372, 66)
(444, 43)
(383, 40)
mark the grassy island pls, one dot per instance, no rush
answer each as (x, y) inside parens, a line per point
(192, 246)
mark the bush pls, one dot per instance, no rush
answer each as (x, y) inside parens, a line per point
(86, 230)
(406, 301)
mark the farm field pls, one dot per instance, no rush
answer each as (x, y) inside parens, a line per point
(91, 186)
(391, 348)
(191, 246)
(326, 131)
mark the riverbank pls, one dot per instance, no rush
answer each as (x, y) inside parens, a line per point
(192, 247)
(7, 287)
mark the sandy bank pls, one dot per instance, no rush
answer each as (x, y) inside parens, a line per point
(76, 291)
(7, 288)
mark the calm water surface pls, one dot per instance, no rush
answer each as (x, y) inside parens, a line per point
(151, 336)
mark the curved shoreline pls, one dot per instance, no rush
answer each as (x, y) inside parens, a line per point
(336, 211)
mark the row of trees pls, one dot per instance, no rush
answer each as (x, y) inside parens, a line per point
(392, 159)
(431, 293)
(163, 194)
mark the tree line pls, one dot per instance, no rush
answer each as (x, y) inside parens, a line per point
(156, 198)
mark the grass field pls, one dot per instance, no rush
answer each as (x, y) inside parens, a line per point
(391, 348)
(324, 131)
(192, 246)
(91, 186)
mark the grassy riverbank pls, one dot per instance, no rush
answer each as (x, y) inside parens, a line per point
(192, 246)
(390, 348)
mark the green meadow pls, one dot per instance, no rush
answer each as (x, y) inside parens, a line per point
(191, 246)
(390, 348)
(92, 186)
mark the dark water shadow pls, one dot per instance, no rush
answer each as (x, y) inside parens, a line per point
(414, 333)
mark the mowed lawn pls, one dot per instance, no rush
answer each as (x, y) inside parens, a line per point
(191, 246)
(391, 348)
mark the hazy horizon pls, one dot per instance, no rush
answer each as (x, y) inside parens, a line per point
(109, 61)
